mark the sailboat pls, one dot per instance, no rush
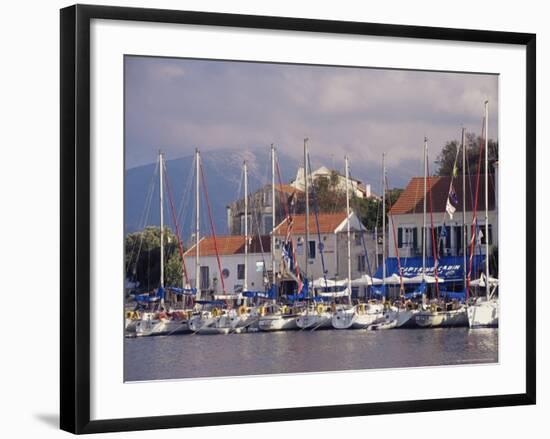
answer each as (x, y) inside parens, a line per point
(156, 320)
(436, 313)
(204, 314)
(483, 312)
(347, 316)
(316, 315)
(275, 317)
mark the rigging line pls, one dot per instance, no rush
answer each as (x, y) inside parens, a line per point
(186, 195)
(212, 227)
(188, 206)
(396, 247)
(176, 226)
(316, 210)
(474, 219)
(290, 221)
(434, 242)
(146, 213)
(143, 214)
(362, 233)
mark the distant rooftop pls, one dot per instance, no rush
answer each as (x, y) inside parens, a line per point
(328, 223)
(229, 245)
(411, 199)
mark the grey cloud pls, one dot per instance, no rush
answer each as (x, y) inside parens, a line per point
(179, 104)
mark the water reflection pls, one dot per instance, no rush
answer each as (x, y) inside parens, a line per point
(190, 356)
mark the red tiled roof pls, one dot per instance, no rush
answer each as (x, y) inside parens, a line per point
(328, 222)
(412, 198)
(229, 245)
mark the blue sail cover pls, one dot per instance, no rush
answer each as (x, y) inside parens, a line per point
(449, 268)
(417, 292)
(268, 294)
(146, 298)
(210, 302)
(378, 291)
(450, 295)
(186, 291)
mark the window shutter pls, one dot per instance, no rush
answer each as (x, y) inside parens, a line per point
(415, 238)
(399, 237)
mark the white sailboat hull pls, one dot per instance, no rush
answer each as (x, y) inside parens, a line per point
(343, 318)
(363, 321)
(278, 323)
(386, 324)
(436, 319)
(405, 318)
(483, 314)
(314, 320)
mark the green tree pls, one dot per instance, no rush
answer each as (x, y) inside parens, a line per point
(446, 158)
(142, 256)
(329, 197)
(173, 271)
(370, 210)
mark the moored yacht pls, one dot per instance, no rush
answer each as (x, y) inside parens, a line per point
(452, 314)
(278, 318)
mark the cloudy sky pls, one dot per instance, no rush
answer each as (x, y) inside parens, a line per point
(179, 104)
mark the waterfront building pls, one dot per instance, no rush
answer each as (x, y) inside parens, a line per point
(331, 236)
(407, 215)
(260, 210)
(336, 180)
(231, 253)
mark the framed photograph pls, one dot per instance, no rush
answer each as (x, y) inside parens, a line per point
(268, 219)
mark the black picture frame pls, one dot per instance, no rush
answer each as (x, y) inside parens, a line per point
(75, 217)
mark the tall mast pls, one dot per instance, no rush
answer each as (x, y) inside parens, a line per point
(245, 282)
(376, 246)
(487, 289)
(424, 218)
(161, 175)
(464, 230)
(384, 223)
(197, 224)
(348, 228)
(273, 214)
(307, 206)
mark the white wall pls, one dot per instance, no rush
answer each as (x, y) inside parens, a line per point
(255, 279)
(29, 138)
(415, 220)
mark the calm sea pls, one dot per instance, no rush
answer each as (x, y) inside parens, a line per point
(191, 356)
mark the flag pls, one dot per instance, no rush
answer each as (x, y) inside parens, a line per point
(291, 201)
(455, 169)
(452, 201)
(479, 236)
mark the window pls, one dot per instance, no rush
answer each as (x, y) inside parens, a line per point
(361, 263)
(240, 271)
(443, 239)
(358, 238)
(242, 224)
(482, 228)
(311, 250)
(407, 237)
(205, 278)
(267, 219)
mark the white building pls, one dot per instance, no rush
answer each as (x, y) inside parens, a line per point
(407, 214)
(333, 236)
(231, 253)
(360, 189)
(332, 233)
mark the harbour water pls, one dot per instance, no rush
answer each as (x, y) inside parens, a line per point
(193, 356)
